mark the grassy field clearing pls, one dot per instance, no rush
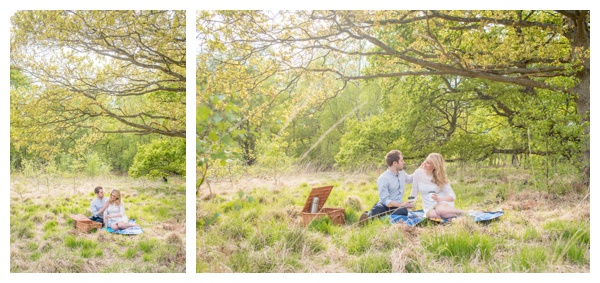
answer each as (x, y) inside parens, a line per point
(42, 237)
(253, 225)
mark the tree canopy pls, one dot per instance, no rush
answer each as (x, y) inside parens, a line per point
(87, 75)
(473, 83)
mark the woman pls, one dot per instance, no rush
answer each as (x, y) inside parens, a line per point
(114, 214)
(432, 183)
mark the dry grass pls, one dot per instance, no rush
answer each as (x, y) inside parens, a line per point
(49, 243)
(246, 227)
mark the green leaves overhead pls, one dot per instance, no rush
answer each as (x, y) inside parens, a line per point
(89, 67)
(97, 81)
(469, 84)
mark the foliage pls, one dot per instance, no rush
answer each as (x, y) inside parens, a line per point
(365, 141)
(83, 82)
(468, 84)
(160, 158)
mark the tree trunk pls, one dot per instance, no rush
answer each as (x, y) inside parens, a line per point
(578, 33)
(583, 108)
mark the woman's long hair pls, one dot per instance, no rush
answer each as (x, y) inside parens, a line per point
(439, 169)
(118, 200)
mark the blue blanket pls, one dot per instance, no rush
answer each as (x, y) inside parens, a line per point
(129, 231)
(412, 219)
(485, 216)
(415, 217)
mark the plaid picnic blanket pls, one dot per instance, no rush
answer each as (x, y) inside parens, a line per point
(485, 216)
(129, 231)
(412, 219)
(415, 217)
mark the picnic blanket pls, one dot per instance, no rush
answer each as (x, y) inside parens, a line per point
(129, 231)
(484, 216)
(412, 219)
(415, 217)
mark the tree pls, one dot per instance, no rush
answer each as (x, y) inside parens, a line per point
(90, 67)
(160, 158)
(530, 50)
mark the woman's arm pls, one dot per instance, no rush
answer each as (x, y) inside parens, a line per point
(121, 212)
(449, 198)
(415, 184)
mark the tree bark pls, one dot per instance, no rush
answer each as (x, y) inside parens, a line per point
(578, 32)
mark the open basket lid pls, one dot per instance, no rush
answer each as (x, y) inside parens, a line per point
(322, 193)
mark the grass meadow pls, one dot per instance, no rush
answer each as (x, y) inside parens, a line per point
(254, 224)
(43, 239)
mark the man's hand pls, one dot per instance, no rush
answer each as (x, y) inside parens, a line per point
(408, 204)
(103, 208)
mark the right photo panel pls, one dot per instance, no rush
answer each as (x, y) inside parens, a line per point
(393, 141)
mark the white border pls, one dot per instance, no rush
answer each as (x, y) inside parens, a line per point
(191, 7)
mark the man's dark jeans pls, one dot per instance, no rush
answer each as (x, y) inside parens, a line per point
(379, 210)
(97, 219)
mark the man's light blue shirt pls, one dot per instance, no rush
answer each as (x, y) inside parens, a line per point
(96, 205)
(391, 186)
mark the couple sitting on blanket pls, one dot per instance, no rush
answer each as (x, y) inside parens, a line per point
(430, 181)
(109, 212)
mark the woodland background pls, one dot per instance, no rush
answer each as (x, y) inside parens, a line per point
(292, 100)
(97, 98)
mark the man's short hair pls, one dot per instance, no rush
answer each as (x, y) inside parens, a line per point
(392, 156)
(97, 189)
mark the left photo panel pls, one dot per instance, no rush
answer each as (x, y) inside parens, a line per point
(97, 141)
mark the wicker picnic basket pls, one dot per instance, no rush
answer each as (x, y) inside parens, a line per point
(84, 224)
(335, 214)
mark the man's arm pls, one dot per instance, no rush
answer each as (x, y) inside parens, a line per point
(93, 209)
(103, 208)
(384, 192)
(384, 196)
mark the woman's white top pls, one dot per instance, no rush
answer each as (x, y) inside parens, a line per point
(423, 185)
(115, 209)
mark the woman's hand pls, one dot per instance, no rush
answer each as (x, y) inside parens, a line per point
(435, 197)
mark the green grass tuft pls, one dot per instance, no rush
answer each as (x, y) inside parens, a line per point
(322, 224)
(130, 253)
(50, 225)
(460, 246)
(147, 246)
(530, 259)
(372, 263)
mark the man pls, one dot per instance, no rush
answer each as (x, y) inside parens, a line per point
(391, 189)
(97, 206)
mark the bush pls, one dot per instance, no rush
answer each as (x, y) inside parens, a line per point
(160, 158)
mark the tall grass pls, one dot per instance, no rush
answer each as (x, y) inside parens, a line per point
(43, 238)
(257, 227)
